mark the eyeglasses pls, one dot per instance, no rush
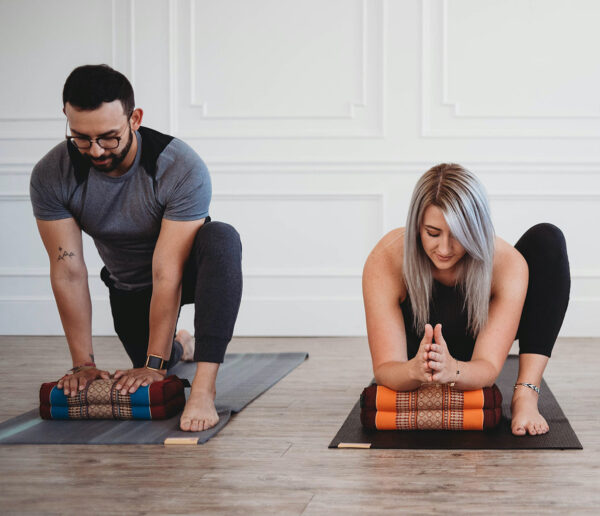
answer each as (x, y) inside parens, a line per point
(81, 142)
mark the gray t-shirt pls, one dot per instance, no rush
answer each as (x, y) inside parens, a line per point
(123, 214)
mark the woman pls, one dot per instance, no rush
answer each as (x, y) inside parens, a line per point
(445, 298)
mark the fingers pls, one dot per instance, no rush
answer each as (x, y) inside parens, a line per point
(119, 373)
(428, 336)
(125, 383)
(437, 333)
(105, 375)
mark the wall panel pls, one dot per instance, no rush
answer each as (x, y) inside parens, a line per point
(316, 119)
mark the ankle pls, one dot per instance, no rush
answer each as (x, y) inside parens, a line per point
(203, 391)
(525, 394)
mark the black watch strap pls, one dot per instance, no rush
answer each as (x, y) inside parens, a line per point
(155, 362)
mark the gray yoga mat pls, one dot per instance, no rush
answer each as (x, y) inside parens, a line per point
(561, 435)
(242, 378)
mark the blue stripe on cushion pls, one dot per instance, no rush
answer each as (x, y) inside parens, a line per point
(57, 397)
(141, 412)
(59, 412)
(141, 397)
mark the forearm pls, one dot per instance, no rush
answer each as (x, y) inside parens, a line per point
(164, 309)
(74, 305)
(396, 376)
(474, 374)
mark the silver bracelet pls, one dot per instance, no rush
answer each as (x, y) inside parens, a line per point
(530, 385)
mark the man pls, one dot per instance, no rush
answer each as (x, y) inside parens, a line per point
(143, 197)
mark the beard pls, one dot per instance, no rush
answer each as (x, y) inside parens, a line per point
(114, 159)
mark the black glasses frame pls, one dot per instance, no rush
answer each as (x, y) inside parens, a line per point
(71, 138)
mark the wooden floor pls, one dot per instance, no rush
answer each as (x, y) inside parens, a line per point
(272, 458)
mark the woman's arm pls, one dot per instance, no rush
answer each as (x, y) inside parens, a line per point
(383, 287)
(509, 288)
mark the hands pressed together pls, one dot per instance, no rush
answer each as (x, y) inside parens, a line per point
(129, 379)
(433, 362)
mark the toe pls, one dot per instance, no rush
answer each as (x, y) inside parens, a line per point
(518, 430)
(531, 428)
(194, 426)
(184, 424)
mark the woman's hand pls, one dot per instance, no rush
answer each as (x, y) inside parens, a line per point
(439, 359)
(421, 371)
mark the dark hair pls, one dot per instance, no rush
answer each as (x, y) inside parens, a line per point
(88, 86)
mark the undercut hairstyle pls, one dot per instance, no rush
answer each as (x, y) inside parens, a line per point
(463, 201)
(88, 86)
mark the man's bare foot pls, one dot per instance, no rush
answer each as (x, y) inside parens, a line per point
(189, 344)
(199, 412)
(526, 417)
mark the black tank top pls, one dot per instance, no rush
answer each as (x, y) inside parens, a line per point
(447, 308)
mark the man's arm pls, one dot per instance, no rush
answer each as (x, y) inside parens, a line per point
(172, 250)
(69, 279)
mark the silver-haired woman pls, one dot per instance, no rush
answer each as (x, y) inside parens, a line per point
(445, 298)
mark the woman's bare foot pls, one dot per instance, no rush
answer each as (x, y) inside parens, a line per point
(526, 417)
(200, 412)
(187, 341)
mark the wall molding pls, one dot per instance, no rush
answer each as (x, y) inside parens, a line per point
(442, 117)
(291, 273)
(352, 104)
(578, 196)
(50, 133)
(219, 166)
(262, 128)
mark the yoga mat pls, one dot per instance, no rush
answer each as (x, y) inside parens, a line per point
(242, 377)
(561, 435)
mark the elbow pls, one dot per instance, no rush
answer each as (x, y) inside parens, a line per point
(167, 277)
(492, 373)
(74, 273)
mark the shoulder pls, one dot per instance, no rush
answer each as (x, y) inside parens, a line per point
(385, 260)
(180, 159)
(510, 270)
(54, 164)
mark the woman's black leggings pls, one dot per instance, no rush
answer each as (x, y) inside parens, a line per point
(212, 280)
(544, 248)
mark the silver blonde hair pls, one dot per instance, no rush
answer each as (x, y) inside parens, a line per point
(463, 201)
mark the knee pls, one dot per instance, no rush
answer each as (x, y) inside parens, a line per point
(544, 248)
(547, 237)
(218, 238)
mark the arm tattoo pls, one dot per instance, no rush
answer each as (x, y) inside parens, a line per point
(92, 357)
(63, 253)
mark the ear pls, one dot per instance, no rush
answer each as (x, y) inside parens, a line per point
(136, 118)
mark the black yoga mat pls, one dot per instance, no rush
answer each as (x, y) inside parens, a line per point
(561, 435)
(242, 378)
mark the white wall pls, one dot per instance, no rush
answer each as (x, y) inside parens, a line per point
(315, 119)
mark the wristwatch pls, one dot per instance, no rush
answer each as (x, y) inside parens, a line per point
(155, 363)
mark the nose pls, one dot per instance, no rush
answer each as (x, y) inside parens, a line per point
(95, 150)
(445, 246)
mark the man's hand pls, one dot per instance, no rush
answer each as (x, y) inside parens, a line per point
(440, 361)
(421, 371)
(131, 379)
(75, 382)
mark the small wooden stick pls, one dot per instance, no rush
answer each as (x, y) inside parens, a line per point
(354, 445)
(176, 441)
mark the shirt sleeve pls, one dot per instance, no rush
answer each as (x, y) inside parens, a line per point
(46, 194)
(189, 198)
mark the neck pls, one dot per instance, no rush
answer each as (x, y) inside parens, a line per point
(446, 277)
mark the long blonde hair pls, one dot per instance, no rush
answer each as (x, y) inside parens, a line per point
(463, 201)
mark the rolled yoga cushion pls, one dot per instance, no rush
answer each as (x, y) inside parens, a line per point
(430, 407)
(101, 400)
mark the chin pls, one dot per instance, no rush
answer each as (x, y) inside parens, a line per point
(104, 168)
